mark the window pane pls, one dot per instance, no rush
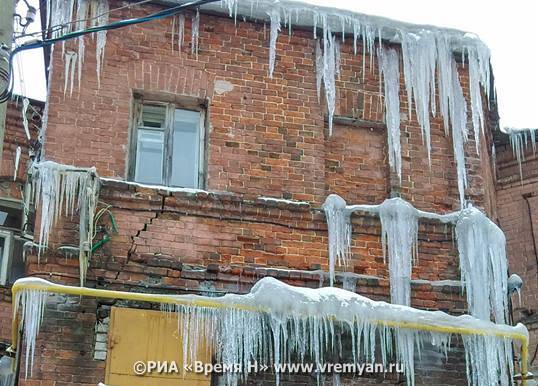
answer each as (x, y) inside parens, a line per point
(186, 149)
(153, 116)
(149, 157)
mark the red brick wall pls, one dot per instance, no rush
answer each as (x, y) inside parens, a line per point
(267, 138)
(518, 217)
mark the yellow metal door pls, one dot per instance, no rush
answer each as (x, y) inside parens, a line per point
(143, 335)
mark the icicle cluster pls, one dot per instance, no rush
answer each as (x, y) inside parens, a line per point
(399, 236)
(65, 16)
(339, 227)
(483, 264)
(276, 323)
(62, 189)
(481, 246)
(429, 68)
(519, 140)
(32, 307)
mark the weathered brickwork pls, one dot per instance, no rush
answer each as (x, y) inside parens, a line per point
(518, 217)
(267, 137)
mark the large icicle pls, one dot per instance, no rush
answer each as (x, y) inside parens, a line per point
(319, 69)
(339, 229)
(61, 188)
(399, 235)
(100, 14)
(329, 72)
(458, 121)
(25, 105)
(483, 264)
(274, 16)
(17, 162)
(277, 323)
(180, 31)
(390, 70)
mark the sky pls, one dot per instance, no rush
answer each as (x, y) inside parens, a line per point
(505, 26)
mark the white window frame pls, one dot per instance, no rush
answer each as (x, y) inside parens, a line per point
(168, 138)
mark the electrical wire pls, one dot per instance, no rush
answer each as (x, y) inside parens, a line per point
(5, 94)
(58, 27)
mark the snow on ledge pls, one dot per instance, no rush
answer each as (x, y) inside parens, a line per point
(283, 201)
(160, 187)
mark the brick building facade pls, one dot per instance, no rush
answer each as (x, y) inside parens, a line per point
(269, 164)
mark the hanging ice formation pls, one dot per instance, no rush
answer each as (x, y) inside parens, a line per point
(389, 64)
(195, 33)
(484, 270)
(339, 226)
(399, 236)
(274, 16)
(70, 60)
(66, 16)
(481, 247)
(427, 56)
(25, 105)
(17, 162)
(519, 140)
(277, 323)
(62, 189)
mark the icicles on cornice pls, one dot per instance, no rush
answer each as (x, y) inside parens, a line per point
(481, 247)
(64, 17)
(274, 16)
(484, 270)
(389, 65)
(63, 189)
(519, 141)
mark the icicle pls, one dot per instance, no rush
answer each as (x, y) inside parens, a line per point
(102, 9)
(329, 64)
(339, 228)
(195, 36)
(17, 161)
(81, 15)
(319, 69)
(59, 188)
(337, 58)
(180, 31)
(70, 60)
(25, 104)
(390, 70)
(458, 121)
(275, 29)
(399, 235)
(483, 264)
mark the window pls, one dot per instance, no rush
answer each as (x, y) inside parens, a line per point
(16, 224)
(168, 145)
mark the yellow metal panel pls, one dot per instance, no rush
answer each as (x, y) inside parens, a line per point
(144, 335)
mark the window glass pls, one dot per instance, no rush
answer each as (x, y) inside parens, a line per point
(149, 157)
(185, 149)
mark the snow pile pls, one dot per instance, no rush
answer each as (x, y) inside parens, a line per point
(62, 189)
(279, 323)
(483, 264)
(481, 247)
